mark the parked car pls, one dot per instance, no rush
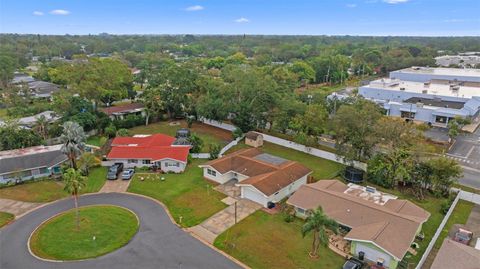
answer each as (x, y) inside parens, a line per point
(114, 171)
(128, 174)
(353, 263)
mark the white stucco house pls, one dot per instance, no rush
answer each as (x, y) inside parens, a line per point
(262, 178)
(150, 150)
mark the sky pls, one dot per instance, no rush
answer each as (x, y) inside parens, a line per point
(272, 17)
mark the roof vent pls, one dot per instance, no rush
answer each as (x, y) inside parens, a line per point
(424, 91)
(371, 189)
(402, 88)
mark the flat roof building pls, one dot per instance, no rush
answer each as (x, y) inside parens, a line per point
(430, 95)
(425, 74)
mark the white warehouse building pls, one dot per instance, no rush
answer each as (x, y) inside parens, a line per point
(435, 100)
(427, 74)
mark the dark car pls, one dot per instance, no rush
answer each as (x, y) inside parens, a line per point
(114, 171)
(352, 264)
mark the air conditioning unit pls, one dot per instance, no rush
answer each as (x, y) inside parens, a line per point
(424, 91)
(402, 88)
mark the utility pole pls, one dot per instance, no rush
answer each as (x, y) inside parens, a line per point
(235, 212)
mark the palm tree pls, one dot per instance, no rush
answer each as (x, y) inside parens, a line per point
(317, 222)
(41, 126)
(87, 161)
(73, 139)
(74, 182)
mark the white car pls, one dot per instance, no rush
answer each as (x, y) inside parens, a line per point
(127, 174)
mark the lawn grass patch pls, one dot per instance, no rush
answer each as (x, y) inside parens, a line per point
(95, 179)
(460, 215)
(267, 241)
(5, 218)
(48, 190)
(35, 191)
(59, 239)
(187, 195)
(96, 140)
(209, 134)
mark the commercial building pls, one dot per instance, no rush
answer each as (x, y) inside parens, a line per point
(434, 96)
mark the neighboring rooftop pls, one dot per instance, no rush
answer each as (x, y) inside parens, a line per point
(435, 102)
(266, 172)
(126, 108)
(456, 255)
(152, 147)
(424, 88)
(28, 158)
(389, 223)
(441, 71)
(22, 78)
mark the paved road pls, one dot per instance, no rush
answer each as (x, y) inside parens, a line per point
(158, 244)
(466, 151)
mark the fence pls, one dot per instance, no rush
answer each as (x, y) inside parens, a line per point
(289, 144)
(467, 196)
(230, 145)
(200, 155)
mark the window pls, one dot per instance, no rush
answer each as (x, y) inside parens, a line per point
(177, 164)
(211, 172)
(43, 170)
(300, 210)
(408, 115)
(132, 161)
(145, 161)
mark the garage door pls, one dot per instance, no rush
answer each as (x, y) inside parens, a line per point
(373, 254)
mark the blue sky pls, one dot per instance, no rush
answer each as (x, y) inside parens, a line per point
(312, 17)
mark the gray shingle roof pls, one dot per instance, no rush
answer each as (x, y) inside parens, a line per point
(25, 162)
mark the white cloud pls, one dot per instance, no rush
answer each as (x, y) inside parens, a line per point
(37, 13)
(454, 20)
(395, 1)
(242, 20)
(194, 8)
(59, 12)
(351, 5)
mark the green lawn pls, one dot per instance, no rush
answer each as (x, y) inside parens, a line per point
(50, 190)
(267, 241)
(96, 140)
(209, 134)
(322, 168)
(5, 218)
(186, 195)
(459, 216)
(59, 239)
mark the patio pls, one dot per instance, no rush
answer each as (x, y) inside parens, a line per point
(338, 244)
(229, 189)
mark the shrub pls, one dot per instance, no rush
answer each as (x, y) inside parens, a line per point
(122, 132)
(237, 133)
(196, 143)
(214, 150)
(110, 131)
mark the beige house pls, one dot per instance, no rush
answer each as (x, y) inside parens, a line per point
(254, 139)
(456, 255)
(381, 228)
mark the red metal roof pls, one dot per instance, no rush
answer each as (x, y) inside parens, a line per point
(154, 148)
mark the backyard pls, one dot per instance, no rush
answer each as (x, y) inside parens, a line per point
(209, 134)
(267, 241)
(189, 198)
(50, 190)
(322, 168)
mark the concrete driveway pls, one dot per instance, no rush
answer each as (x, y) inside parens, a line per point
(224, 219)
(15, 207)
(158, 244)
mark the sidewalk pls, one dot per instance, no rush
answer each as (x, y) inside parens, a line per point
(224, 219)
(15, 207)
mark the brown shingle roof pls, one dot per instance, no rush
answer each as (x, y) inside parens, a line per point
(121, 108)
(456, 255)
(392, 226)
(266, 177)
(252, 135)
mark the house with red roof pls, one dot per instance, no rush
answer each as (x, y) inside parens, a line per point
(158, 150)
